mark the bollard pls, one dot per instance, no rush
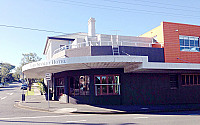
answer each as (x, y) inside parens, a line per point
(23, 97)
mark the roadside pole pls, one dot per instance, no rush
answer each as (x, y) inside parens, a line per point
(48, 95)
(27, 87)
(23, 95)
(48, 78)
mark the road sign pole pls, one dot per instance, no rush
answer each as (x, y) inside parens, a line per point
(48, 95)
(48, 78)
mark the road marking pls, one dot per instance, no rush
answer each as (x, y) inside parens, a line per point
(77, 121)
(9, 93)
(3, 97)
(42, 117)
(141, 117)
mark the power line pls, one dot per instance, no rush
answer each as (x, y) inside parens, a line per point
(27, 28)
(128, 3)
(83, 4)
(42, 30)
(175, 5)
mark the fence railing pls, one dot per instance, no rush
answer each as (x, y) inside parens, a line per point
(104, 43)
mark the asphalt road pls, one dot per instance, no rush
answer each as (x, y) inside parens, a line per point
(10, 115)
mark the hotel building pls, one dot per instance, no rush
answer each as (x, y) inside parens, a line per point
(161, 66)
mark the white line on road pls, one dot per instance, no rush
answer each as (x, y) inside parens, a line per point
(141, 117)
(77, 121)
(3, 97)
(9, 93)
(44, 117)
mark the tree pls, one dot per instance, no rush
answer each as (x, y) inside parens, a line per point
(5, 69)
(29, 58)
(17, 74)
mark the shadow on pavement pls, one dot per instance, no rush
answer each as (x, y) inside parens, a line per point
(11, 86)
(190, 109)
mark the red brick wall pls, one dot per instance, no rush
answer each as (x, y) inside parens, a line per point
(172, 45)
(156, 45)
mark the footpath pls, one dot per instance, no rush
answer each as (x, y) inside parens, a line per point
(37, 102)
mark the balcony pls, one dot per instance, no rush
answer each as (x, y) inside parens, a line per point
(109, 48)
(103, 43)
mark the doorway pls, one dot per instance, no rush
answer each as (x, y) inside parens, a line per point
(79, 85)
(59, 87)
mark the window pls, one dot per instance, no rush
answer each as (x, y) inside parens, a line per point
(79, 85)
(59, 86)
(173, 81)
(190, 79)
(107, 85)
(189, 43)
(63, 47)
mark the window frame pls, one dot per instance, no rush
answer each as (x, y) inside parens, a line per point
(73, 93)
(173, 83)
(191, 43)
(59, 87)
(114, 85)
(191, 77)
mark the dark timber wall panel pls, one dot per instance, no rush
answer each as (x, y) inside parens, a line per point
(137, 89)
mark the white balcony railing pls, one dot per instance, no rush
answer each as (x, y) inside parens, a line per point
(104, 43)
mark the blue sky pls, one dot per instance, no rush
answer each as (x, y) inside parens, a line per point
(130, 17)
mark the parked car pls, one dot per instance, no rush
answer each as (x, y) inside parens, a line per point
(24, 86)
(1, 85)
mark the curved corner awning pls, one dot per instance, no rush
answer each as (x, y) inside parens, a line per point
(130, 64)
(38, 69)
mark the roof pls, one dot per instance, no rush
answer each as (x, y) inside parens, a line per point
(64, 37)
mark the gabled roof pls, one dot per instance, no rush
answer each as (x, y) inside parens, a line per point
(64, 37)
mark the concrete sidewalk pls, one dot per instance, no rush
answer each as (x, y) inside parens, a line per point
(38, 102)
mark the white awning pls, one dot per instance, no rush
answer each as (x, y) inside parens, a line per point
(38, 69)
(130, 64)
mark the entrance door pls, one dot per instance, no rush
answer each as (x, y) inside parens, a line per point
(79, 85)
(59, 87)
(74, 86)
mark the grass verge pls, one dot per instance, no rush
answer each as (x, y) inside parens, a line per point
(29, 92)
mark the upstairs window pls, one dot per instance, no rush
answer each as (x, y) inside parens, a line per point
(189, 43)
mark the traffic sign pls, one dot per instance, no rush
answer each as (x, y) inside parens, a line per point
(48, 76)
